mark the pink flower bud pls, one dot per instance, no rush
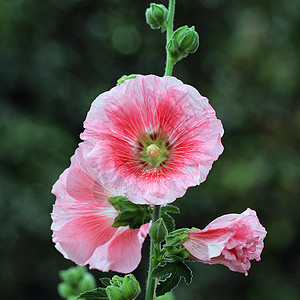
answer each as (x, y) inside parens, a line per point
(231, 240)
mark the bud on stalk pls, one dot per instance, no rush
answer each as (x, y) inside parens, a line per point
(156, 16)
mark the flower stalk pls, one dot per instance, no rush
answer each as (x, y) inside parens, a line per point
(151, 282)
(169, 29)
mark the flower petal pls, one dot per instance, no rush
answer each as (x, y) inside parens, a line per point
(81, 236)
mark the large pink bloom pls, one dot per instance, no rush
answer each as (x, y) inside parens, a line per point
(82, 221)
(231, 240)
(154, 137)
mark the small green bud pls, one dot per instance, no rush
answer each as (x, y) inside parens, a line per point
(87, 283)
(184, 41)
(114, 293)
(65, 290)
(72, 275)
(131, 288)
(158, 230)
(117, 281)
(156, 16)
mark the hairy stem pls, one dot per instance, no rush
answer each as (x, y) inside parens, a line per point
(169, 29)
(151, 282)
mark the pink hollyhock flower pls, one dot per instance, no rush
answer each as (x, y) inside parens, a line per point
(154, 137)
(83, 217)
(231, 240)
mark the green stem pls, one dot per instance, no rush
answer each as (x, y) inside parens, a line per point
(169, 29)
(154, 247)
(151, 282)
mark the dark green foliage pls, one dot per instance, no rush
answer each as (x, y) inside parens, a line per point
(131, 214)
(169, 221)
(95, 294)
(169, 274)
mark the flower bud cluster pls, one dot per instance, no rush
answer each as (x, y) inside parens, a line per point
(126, 288)
(184, 40)
(76, 280)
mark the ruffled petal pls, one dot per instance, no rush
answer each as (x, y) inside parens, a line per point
(162, 108)
(232, 240)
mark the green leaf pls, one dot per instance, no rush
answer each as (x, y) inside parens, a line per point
(135, 219)
(169, 221)
(134, 215)
(105, 281)
(163, 270)
(95, 294)
(170, 208)
(115, 201)
(170, 274)
(184, 272)
(167, 285)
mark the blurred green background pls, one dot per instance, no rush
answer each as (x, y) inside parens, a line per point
(56, 56)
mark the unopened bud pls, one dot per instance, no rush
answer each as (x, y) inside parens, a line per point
(117, 281)
(72, 275)
(131, 288)
(156, 16)
(114, 293)
(158, 230)
(87, 283)
(65, 290)
(184, 41)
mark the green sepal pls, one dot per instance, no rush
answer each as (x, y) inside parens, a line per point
(173, 245)
(95, 294)
(117, 281)
(134, 215)
(114, 293)
(170, 274)
(131, 287)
